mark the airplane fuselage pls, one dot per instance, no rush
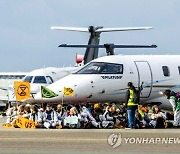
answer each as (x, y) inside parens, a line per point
(105, 79)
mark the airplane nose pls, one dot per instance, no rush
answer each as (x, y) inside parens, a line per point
(35, 88)
(81, 89)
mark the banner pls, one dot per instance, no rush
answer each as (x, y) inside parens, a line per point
(22, 90)
(72, 120)
(25, 123)
(20, 123)
(68, 91)
(6, 125)
(47, 93)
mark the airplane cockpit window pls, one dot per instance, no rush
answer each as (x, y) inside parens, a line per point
(101, 68)
(28, 79)
(49, 79)
(39, 79)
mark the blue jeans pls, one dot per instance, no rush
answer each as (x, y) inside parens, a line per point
(131, 118)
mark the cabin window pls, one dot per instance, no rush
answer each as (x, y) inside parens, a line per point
(28, 79)
(166, 71)
(39, 79)
(179, 69)
(101, 68)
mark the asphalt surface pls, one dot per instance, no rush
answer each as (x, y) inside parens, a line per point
(88, 141)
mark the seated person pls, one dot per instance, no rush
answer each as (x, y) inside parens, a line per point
(142, 116)
(11, 114)
(109, 117)
(157, 118)
(73, 119)
(98, 115)
(36, 116)
(87, 118)
(60, 114)
(50, 118)
(26, 112)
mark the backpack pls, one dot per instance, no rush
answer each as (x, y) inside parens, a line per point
(175, 94)
(137, 96)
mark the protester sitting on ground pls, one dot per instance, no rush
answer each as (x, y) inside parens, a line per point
(26, 112)
(121, 116)
(157, 118)
(109, 119)
(21, 110)
(89, 107)
(60, 114)
(50, 118)
(98, 115)
(36, 116)
(142, 116)
(67, 111)
(11, 114)
(73, 119)
(87, 119)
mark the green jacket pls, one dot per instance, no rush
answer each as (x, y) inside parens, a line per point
(177, 108)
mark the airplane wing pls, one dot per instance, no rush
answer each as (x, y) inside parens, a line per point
(79, 29)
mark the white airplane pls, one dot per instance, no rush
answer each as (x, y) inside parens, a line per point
(6, 79)
(46, 76)
(36, 78)
(93, 43)
(105, 79)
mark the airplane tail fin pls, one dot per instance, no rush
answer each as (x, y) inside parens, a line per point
(99, 29)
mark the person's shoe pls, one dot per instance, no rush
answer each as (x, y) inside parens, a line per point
(99, 125)
(59, 127)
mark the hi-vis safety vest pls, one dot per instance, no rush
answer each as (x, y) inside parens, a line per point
(131, 98)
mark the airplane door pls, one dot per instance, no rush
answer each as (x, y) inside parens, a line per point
(145, 76)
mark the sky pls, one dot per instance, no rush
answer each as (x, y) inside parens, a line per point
(28, 43)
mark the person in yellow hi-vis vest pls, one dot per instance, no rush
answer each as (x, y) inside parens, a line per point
(131, 105)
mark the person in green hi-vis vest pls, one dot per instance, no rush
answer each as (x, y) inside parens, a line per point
(131, 105)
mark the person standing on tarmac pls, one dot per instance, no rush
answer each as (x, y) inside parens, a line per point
(175, 102)
(131, 105)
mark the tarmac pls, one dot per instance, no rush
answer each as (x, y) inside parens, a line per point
(88, 141)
